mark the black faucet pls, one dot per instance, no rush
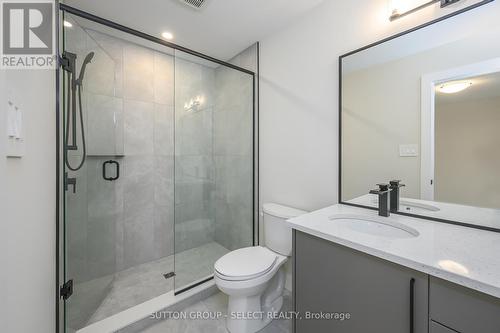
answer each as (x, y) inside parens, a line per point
(395, 185)
(383, 199)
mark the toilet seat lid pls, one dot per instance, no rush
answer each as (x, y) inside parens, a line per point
(246, 263)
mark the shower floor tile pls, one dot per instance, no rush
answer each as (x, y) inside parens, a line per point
(144, 282)
(214, 304)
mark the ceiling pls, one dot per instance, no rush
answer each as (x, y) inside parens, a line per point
(483, 87)
(221, 29)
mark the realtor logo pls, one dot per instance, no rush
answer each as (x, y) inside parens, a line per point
(28, 35)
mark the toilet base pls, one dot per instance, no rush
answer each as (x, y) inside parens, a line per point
(247, 316)
(250, 314)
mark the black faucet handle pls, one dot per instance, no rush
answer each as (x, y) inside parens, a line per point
(396, 184)
(382, 188)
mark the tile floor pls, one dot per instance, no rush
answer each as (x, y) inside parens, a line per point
(144, 282)
(213, 304)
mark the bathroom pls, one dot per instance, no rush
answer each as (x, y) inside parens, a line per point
(212, 166)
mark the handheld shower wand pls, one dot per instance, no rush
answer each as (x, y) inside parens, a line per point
(74, 105)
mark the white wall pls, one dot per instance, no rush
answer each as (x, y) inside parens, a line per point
(3, 225)
(28, 214)
(299, 94)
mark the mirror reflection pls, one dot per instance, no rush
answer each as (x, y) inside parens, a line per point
(424, 109)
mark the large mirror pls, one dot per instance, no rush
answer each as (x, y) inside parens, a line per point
(424, 108)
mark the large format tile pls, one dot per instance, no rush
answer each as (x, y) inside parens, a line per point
(138, 70)
(104, 125)
(86, 298)
(234, 225)
(233, 131)
(233, 203)
(193, 233)
(113, 47)
(196, 263)
(164, 130)
(164, 206)
(139, 128)
(164, 76)
(138, 201)
(143, 282)
(102, 215)
(136, 285)
(100, 76)
(194, 132)
(76, 224)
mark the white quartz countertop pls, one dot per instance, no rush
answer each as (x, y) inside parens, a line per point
(465, 256)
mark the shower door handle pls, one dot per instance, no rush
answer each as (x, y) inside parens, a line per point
(104, 170)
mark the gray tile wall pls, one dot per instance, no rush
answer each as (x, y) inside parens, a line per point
(194, 160)
(129, 117)
(148, 192)
(233, 146)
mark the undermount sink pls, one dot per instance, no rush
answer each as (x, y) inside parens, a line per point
(380, 227)
(415, 207)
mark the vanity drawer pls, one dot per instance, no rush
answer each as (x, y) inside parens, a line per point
(438, 328)
(463, 309)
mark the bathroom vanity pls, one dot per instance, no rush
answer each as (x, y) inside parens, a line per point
(418, 116)
(422, 277)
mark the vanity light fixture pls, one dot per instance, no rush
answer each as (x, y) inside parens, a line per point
(67, 24)
(454, 87)
(396, 14)
(167, 35)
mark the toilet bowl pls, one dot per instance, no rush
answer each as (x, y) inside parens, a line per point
(254, 277)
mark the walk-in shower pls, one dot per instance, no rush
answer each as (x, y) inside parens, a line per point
(159, 150)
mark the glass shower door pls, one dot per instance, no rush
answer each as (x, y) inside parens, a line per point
(166, 187)
(91, 168)
(213, 165)
(119, 233)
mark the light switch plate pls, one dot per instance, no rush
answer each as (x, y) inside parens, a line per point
(408, 150)
(15, 148)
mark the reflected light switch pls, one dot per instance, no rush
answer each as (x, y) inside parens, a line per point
(410, 150)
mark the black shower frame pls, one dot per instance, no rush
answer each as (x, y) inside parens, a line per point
(341, 58)
(60, 7)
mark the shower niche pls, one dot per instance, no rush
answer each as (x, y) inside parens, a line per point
(167, 183)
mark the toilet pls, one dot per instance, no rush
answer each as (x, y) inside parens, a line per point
(254, 277)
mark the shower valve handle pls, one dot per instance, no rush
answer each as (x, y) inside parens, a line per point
(69, 181)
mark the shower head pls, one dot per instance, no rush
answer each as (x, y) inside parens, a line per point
(86, 61)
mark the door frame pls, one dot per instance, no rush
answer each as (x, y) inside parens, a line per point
(427, 127)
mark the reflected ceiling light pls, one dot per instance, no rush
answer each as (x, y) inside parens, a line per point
(454, 87)
(454, 267)
(67, 24)
(399, 8)
(167, 35)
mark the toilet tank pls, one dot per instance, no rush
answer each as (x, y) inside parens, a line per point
(277, 235)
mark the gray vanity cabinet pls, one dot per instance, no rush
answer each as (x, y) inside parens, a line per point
(461, 309)
(438, 328)
(330, 278)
